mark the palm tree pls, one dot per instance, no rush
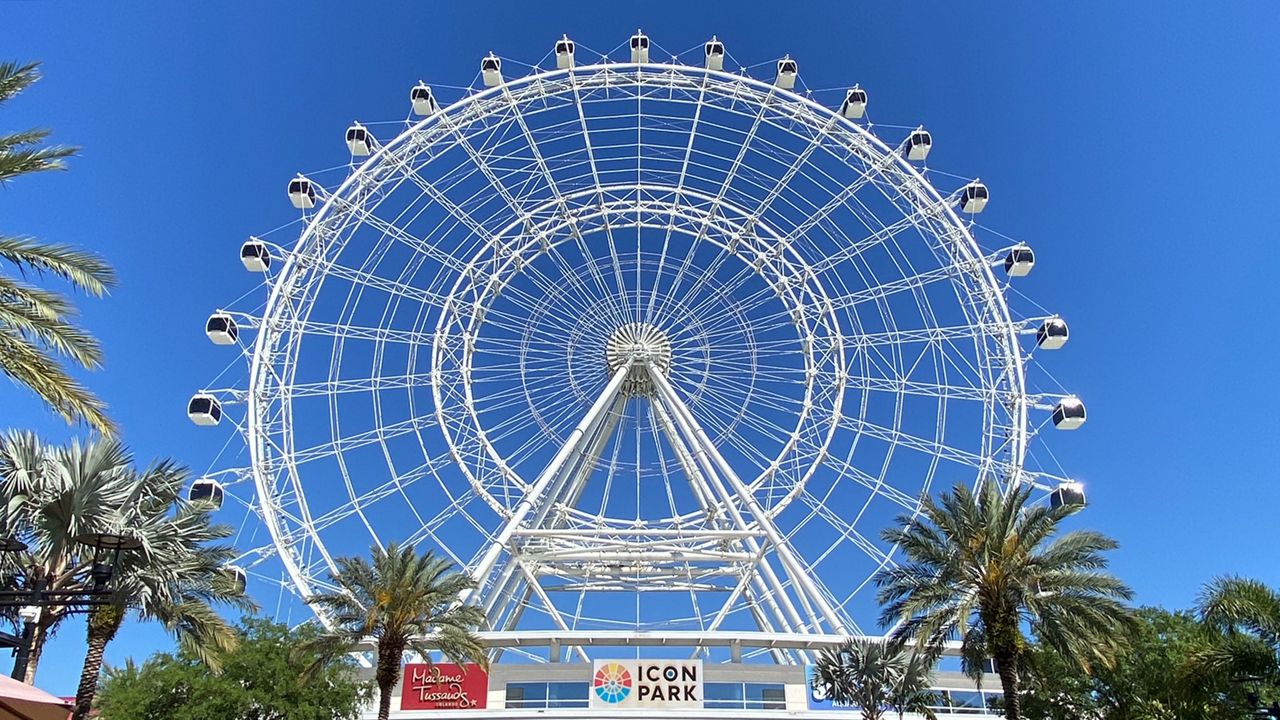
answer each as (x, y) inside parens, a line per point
(53, 495)
(874, 676)
(1244, 616)
(980, 566)
(1233, 604)
(176, 579)
(913, 693)
(403, 601)
(36, 324)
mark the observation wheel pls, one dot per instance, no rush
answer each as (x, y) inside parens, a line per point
(653, 348)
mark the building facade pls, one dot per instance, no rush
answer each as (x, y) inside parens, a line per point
(719, 690)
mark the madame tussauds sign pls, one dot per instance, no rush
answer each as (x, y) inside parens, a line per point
(646, 684)
(441, 686)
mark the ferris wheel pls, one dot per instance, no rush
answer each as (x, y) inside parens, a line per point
(652, 347)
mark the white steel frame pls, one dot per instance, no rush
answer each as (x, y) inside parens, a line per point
(502, 211)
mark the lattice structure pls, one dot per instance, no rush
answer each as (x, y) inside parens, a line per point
(648, 347)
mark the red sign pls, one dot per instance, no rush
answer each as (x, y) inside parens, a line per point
(444, 686)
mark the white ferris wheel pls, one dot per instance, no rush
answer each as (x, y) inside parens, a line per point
(652, 347)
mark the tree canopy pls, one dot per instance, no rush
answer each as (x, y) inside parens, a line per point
(406, 600)
(260, 680)
(986, 566)
(1160, 674)
(877, 676)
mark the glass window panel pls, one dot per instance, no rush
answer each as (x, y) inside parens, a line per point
(527, 695)
(966, 700)
(723, 695)
(567, 694)
(766, 696)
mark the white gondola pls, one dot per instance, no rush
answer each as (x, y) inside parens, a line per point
(564, 53)
(239, 578)
(714, 50)
(788, 69)
(1067, 493)
(359, 140)
(255, 256)
(424, 102)
(1019, 261)
(221, 329)
(204, 410)
(206, 491)
(919, 143)
(639, 48)
(974, 197)
(301, 193)
(1052, 334)
(855, 103)
(491, 70)
(1069, 413)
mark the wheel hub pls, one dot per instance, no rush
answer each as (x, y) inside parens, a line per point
(644, 344)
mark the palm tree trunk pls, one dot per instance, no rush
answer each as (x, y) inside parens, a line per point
(390, 653)
(384, 701)
(49, 618)
(1004, 640)
(1007, 667)
(37, 647)
(104, 622)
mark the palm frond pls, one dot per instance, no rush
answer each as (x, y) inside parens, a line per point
(25, 160)
(16, 77)
(36, 322)
(201, 632)
(39, 317)
(322, 650)
(31, 367)
(85, 270)
(1235, 604)
(22, 138)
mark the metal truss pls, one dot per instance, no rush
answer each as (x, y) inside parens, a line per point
(643, 331)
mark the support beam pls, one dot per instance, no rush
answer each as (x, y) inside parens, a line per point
(768, 590)
(568, 491)
(485, 567)
(799, 574)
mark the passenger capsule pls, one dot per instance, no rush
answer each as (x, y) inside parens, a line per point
(787, 72)
(1019, 261)
(238, 577)
(254, 255)
(973, 197)
(919, 143)
(491, 70)
(206, 491)
(855, 103)
(714, 50)
(564, 53)
(1069, 413)
(204, 410)
(359, 141)
(639, 48)
(424, 103)
(1052, 334)
(301, 193)
(221, 329)
(1067, 493)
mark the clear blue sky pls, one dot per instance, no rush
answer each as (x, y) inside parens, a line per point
(1131, 143)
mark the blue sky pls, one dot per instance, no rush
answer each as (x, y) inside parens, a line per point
(1129, 142)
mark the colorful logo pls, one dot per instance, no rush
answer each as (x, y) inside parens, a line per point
(612, 683)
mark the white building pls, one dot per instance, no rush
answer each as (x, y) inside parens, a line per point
(720, 690)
